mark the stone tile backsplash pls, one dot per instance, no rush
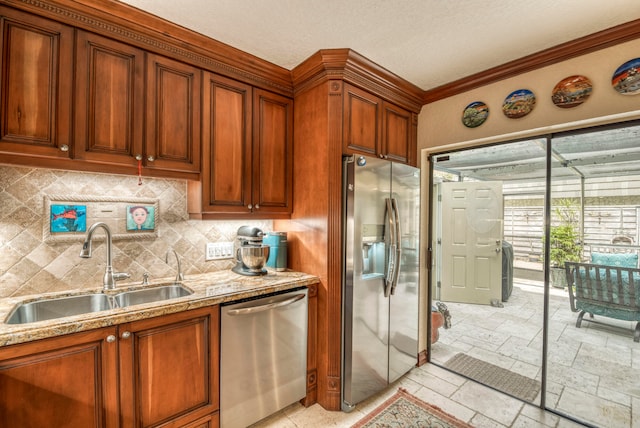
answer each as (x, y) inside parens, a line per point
(30, 264)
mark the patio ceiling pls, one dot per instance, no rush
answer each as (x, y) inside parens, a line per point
(605, 153)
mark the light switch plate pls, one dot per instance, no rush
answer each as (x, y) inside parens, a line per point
(218, 251)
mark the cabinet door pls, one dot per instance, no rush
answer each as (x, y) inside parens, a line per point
(173, 115)
(65, 381)
(169, 368)
(272, 154)
(37, 73)
(226, 136)
(109, 100)
(396, 133)
(361, 121)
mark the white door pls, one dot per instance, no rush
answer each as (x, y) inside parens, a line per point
(472, 215)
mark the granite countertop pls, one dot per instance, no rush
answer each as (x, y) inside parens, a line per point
(208, 289)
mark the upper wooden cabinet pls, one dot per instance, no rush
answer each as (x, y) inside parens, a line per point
(375, 127)
(35, 86)
(272, 154)
(173, 116)
(109, 101)
(112, 126)
(399, 134)
(226, 148)
(247, 152)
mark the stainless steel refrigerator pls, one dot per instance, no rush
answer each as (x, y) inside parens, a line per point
(380, 281)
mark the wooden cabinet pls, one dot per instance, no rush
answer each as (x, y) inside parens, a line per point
(226, 148)
(35, 87)
(109, 104)
(375, 127)
(169, 368)
(272, 154)
(145, 373)
(65, 381)
(112, 126)
(247, 152)
(173, 115)
(127, 104)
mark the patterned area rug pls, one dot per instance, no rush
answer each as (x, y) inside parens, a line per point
(403, 410)
(501, 379)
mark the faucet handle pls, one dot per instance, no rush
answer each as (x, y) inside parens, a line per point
(119, 276)
(145, 278)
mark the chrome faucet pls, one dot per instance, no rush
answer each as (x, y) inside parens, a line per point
(110, 277)
(179, 276)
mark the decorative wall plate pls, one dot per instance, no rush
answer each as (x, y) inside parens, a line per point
(626, 78)
(571, 91)
(475, 114)
(518, 103)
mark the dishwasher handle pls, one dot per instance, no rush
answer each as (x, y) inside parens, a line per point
(268, 306)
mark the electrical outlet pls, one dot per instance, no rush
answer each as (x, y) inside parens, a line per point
(218, 251)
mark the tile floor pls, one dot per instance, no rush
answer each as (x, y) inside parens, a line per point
(593, 372)
(464, 399)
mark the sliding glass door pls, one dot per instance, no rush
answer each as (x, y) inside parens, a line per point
(488, 210)
(593, 370)
(512, 224)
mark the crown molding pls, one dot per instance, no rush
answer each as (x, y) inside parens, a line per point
(130, 25)
(565, 51)
(350, 66)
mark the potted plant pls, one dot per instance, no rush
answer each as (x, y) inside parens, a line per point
(564, 242)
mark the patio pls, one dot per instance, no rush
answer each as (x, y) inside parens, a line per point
(593, 371)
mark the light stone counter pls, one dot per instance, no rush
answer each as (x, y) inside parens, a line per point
(208, 289)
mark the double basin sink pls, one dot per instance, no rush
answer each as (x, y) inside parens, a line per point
(47, 309)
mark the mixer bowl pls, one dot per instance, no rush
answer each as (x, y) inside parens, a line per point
(254, 257)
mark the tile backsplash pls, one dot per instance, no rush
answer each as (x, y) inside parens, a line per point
(30, 264)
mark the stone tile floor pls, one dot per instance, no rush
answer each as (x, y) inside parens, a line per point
(462, 398)
(593, 372)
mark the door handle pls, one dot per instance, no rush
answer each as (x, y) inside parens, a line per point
(268, 306)
(392, 249)
(396, 273)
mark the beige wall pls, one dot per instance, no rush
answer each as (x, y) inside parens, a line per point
(440, 125)
(29, 264)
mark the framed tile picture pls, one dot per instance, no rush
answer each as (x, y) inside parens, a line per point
(68, 217)
(140, 217)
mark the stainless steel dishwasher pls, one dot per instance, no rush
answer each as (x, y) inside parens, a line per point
(263, 356)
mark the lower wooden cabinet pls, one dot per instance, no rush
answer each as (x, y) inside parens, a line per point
(66, 381)
(161, 371)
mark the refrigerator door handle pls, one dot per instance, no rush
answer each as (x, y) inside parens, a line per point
(398, 246)
(392, 249)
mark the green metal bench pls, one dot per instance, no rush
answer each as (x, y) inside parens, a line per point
(608, 291)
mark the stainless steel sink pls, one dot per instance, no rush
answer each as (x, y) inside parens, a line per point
(148, 295)
(41, 310)
(47, 309)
